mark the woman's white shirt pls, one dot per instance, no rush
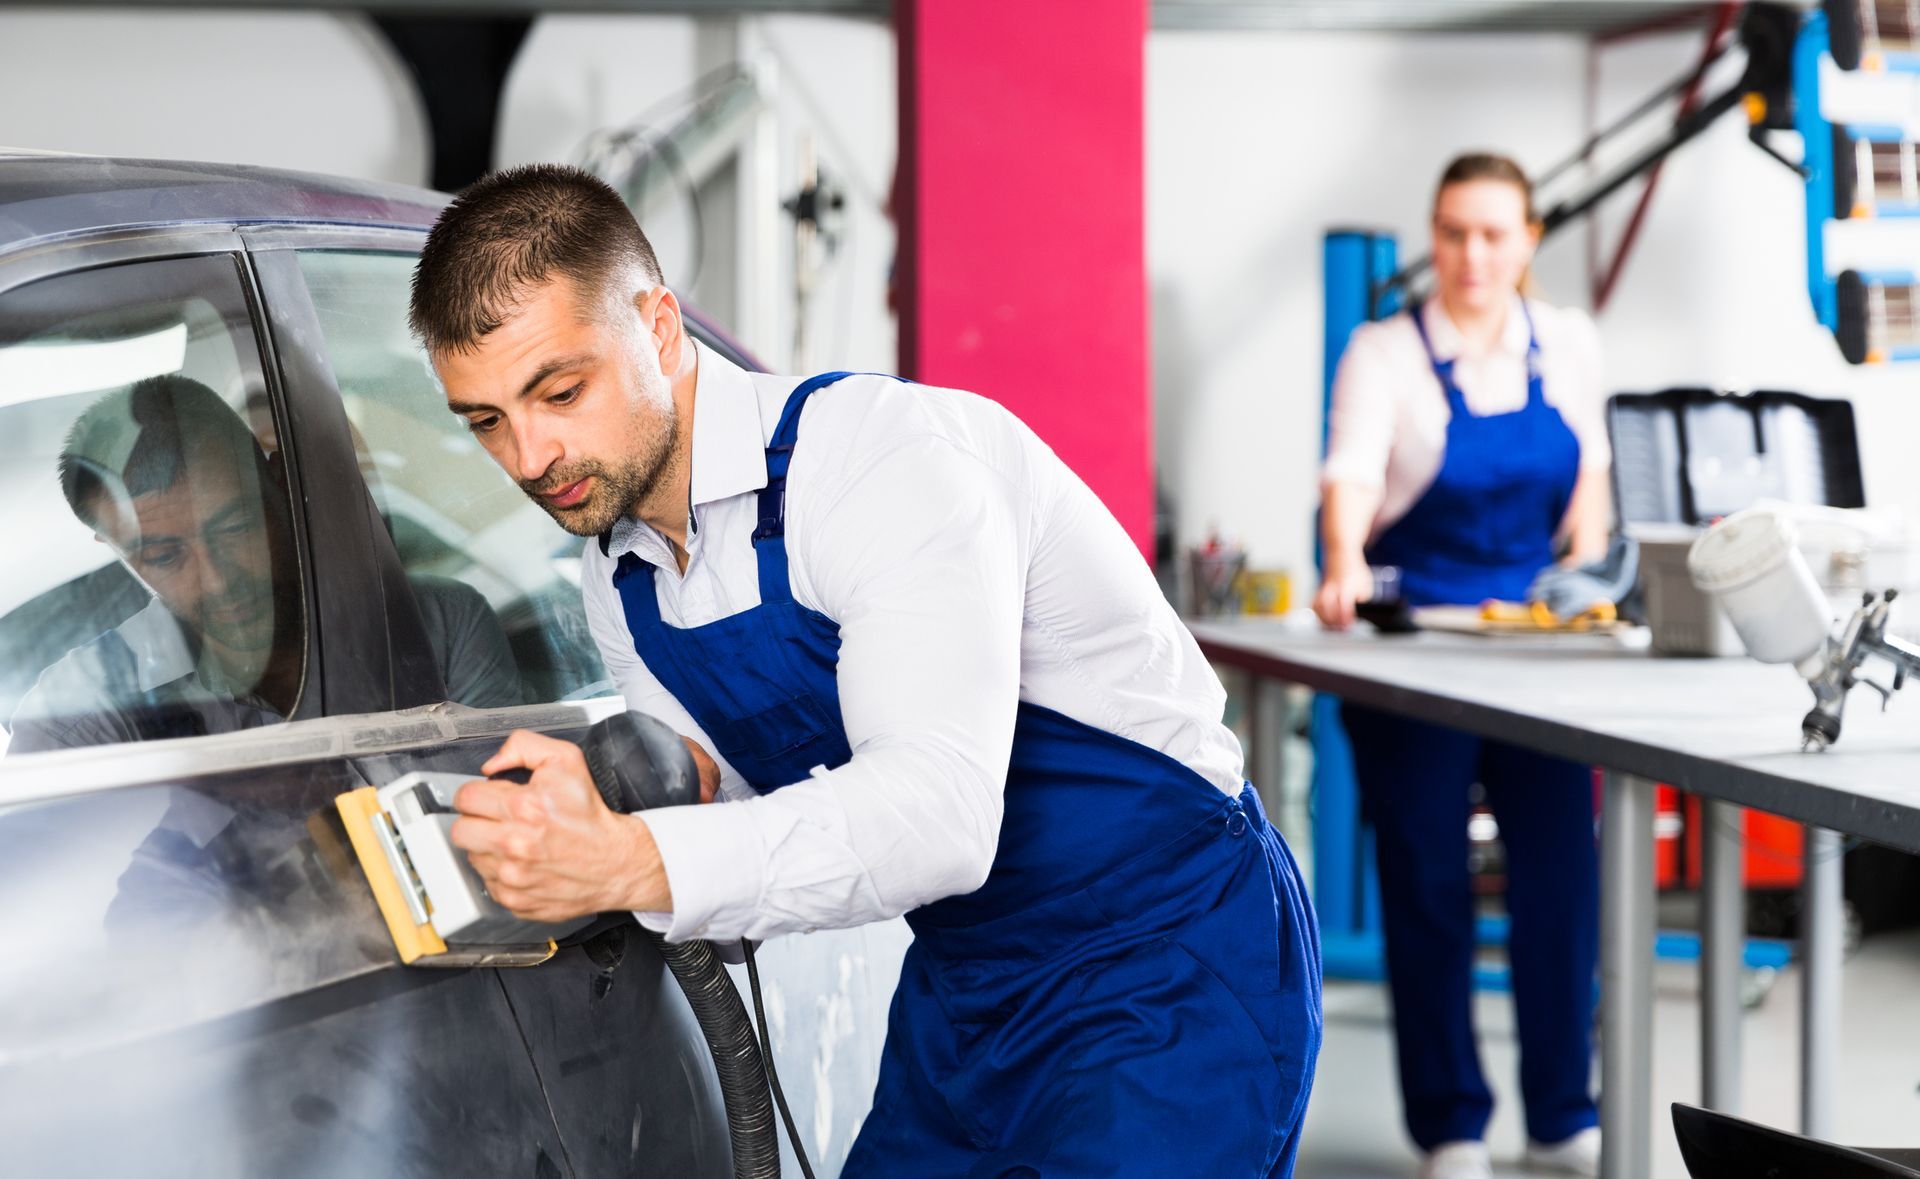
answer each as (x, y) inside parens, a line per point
(1388, 425)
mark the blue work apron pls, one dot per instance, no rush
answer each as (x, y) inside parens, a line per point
(1134, 991)
(1487, 524)
(1483, 530)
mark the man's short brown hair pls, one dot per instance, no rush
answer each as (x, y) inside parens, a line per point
(513, 231)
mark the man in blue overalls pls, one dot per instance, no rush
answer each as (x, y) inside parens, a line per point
(931, 676)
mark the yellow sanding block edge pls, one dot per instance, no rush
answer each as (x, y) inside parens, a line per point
(359, 811)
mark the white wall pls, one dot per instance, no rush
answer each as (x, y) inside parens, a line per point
(1257, 144)
(220, 86)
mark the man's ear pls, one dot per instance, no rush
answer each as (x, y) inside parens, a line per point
(669, 329)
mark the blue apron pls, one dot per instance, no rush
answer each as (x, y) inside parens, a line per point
(1487, 524)
(1483, 530)
(1135, 990)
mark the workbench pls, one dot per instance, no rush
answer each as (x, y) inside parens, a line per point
(1726, 729)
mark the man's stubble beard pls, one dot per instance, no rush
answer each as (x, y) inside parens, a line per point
(617, 490)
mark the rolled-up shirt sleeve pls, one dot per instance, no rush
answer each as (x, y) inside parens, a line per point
(1585, 408)
(1365, 409)
(919, 555)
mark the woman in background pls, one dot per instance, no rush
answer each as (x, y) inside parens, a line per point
(1468, 449)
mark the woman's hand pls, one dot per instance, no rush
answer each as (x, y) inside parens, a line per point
(1347, 583)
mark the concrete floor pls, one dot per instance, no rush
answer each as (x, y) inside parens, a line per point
(1353, 1128)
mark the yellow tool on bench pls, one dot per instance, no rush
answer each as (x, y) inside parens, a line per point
(1536, 616)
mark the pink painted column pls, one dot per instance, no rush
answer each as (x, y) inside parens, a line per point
(1021, 207)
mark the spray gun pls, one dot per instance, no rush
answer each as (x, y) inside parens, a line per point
(1865, 634)
(1751, 564)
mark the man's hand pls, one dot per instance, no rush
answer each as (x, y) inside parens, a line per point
(709, 770)
(551, 850)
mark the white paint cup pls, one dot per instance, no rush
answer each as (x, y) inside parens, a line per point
(1750, 563)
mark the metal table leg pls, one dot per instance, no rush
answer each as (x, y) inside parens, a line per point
(1266, 724)
(1823, 924)
(1626, 977)
(1722, 952)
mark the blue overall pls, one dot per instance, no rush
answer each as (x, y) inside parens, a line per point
(1483, 530)
(1135, 990)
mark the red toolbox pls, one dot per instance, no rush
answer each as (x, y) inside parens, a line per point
(1773, 844)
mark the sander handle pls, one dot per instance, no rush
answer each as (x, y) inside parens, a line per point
(638, 763)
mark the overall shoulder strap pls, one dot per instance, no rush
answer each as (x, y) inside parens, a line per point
(1536, 383)
(770, 535)
(1442, 369)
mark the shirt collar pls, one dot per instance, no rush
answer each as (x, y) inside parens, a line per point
(1514, 335)
(729, 455)
(729, 445)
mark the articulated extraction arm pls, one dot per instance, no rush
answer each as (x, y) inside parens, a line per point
(1767, 32)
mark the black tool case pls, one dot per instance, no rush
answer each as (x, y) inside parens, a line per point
(1683, 458)
(1691, 456)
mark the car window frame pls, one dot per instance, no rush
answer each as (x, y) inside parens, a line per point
(122, 247)
(383, 660)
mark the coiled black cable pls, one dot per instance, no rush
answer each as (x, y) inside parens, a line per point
(766, 1054)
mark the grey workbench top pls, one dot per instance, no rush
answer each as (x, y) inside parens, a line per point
(1727, 728)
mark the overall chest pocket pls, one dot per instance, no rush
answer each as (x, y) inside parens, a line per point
(779, 744)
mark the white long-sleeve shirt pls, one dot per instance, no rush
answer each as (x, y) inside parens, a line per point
(1387, 429)
(968, 569)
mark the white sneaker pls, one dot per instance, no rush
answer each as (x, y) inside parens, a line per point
(1578, 1155)
(1465, 1159)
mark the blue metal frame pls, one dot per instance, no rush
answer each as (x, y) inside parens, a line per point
(1894, 61)
(1817, 162)
(1356, 265)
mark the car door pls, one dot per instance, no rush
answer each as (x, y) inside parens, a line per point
(496, 632)
(628, 1075)
(196, 982)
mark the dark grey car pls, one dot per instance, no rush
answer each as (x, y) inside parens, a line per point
(193, 977)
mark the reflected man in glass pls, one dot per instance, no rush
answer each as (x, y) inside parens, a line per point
(170, 478)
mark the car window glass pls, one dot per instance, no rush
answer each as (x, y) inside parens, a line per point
(154, 589)
(460, 524)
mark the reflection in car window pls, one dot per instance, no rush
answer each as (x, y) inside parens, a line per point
(456, 518)
(140, 467)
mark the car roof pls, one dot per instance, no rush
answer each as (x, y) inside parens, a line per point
(46, 195)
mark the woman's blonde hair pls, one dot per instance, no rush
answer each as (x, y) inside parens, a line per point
(1484, 165)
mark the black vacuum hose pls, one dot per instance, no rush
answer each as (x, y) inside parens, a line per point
(736, 1054)
(638, 762)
